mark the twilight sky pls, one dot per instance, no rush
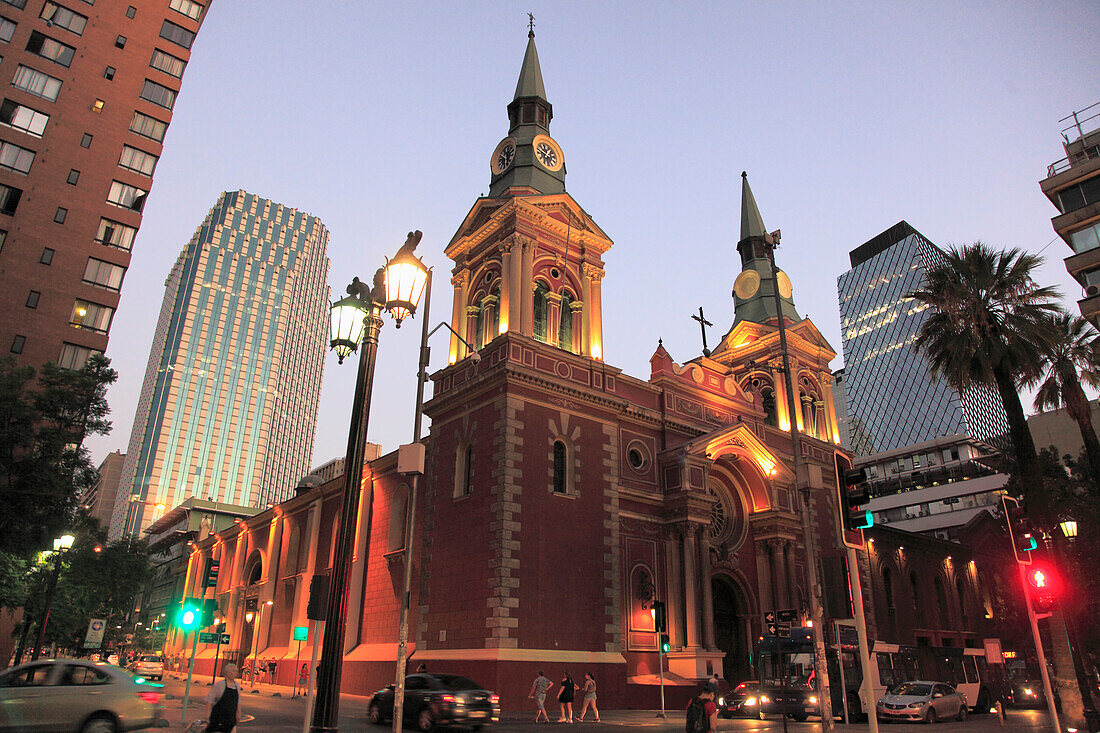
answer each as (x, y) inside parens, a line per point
(379, 117)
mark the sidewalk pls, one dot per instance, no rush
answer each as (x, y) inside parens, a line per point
(259, 688)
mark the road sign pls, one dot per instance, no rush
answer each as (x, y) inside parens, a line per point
(301, 633)
(94, 638)
(786, 616)
(772, 629)
(769, 617)
(782, 629)
(208, 638)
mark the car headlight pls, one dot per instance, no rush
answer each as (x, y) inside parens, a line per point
(917, 704)
(721, 701)
(750, 701)
(1028, 691)
(764, 699)
(813, 699)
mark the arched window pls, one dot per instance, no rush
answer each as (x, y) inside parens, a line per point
(479, 328)
(888, 586)
(541, 304)
(914, 588)
(767, 397)
(399, 512)
(941, 602)
(960, 590)
(559, 467)
(493, 327)
(565, 331)
(468, 472)
(255, 568)
(293, 548)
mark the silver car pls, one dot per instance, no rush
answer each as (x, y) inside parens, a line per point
(922, 700)
(76, 695)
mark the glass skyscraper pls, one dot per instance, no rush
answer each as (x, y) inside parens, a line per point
(893, 399)
(228, 407)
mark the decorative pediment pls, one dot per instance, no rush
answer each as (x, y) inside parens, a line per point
(760, 341)
(556, 214)
(741, 441)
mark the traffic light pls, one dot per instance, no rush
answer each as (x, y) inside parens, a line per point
(1023, 534)
(1044, 588)
(209, 610)
(857, 492)
(210, 579)
(666, 645)
(190, 614)
(660, 619)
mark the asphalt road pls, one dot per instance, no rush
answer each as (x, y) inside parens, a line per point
(287, 715)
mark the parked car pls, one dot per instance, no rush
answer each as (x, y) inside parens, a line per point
(438, 699)
(75, 695)
(149, 665)
(747, 699)
(922, 700)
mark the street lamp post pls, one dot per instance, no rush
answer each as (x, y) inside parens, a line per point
(1092, 718)
(358, 318)
(62, 543)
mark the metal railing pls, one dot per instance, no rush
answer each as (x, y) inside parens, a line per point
(1082, 126)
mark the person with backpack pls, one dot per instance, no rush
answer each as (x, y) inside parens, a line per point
(702, 712)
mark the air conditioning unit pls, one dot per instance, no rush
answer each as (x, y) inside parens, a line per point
(1092, 290)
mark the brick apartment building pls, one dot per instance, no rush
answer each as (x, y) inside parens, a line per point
(87, 97)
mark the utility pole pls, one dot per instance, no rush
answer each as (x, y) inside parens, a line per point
(801, 479)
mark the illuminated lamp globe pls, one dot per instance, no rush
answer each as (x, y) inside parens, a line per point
(63, 542)
(347, 323)
(405, 277)
(1069, 528)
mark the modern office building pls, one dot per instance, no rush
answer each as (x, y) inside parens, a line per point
(893, 400)
(1056, 429)
(99, 500)
(88, 96)
(229, 404)
(1073, 186)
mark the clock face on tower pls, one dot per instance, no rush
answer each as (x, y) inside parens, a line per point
(503, 156)
(746, 284)
(785, 288)
(547, 153)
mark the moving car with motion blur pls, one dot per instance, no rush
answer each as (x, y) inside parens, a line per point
(438, 699)
(922, 700)
(76, 695)
(1027, 694)
(748, 699)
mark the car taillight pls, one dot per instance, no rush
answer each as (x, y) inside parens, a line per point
(495, 699)
(150, 697)
(447, 698)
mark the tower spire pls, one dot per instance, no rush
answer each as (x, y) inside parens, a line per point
(530, 74)
(753, 291)
(752, 224)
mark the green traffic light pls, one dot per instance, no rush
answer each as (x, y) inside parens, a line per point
(868, 521)
(189, 617)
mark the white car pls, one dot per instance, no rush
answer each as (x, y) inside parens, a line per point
(922, 700)
(149, 665)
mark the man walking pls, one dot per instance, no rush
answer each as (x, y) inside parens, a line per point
(702, 713)
(539, 688)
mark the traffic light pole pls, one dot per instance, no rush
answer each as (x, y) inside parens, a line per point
(1051, 708)
(190, 671)
(870, 672)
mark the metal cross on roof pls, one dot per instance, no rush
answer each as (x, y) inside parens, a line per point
(703, 323)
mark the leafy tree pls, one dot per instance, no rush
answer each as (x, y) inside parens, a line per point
(989, 321)
(13, 580)
(44, 468)
(1073, 355)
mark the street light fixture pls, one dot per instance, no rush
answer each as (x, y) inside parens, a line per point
(1069, 528)
(356, 320)
(60, 545)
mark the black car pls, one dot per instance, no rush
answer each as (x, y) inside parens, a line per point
(1028, 693)
(797, 700)
(438, 699)
(747, 699)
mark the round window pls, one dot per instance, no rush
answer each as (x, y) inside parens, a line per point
(637, 460)
(554, 273)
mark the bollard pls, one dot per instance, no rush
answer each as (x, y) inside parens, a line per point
(1000, 712)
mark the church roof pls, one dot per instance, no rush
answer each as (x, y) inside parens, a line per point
(530, 74)
(752, 224)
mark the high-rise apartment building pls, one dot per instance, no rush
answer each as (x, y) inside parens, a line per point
(893, 399)
(1073, 186)
(88, 92)
(229, 404)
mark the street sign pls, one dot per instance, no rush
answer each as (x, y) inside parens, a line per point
(786, 616)
(225, 639)
(94, 638)
(772, 629)
(301, 633)
(208, 638)
(769, 617)
(782, 629)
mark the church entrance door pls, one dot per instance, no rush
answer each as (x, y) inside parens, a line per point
(730, 614)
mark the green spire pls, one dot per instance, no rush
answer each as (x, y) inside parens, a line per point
(530, 74)
(752, 224)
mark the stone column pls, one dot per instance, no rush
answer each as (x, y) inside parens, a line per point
(782, 414)
(553, 318)
(779, 556)
(506, 280)
(577, 346)
(527, 287)
(764, 576)
(489, 307)
(311, 534)
(517, 286)
(274, 568)
(470, 329)
(674, 585)
(708, 592)
(691, 583)
(594, 347)
(830, 411)
(460, 281)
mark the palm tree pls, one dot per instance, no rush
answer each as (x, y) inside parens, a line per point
(1073, 355)
(988, 327)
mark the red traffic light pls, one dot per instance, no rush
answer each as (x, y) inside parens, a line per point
(1045, 588)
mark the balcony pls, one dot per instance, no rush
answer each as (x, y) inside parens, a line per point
(1083, 262)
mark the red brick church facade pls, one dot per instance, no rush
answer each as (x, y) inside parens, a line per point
(561, 495)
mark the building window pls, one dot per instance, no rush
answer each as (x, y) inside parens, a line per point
(9, 199)
(1085, 239)
(113, 234)
(137, 160)
(60, 214)
(3, 238)
(32, 299)
(74, 176)
(560, 483)
(50, 49)
(167, 63)
(1079, 195)
(92, 316)
(131, 12)
(17, 344)
(177, 34)
(61, 17)
(147, 126)
(15, 3)
(74, 357)
(47, 256)
(85, 140)
(190, 8)
(158, 94)
(399, 513)
(15, 158)
(97, 106)
(109, 73)
(36, 83)
(104, 274)
(126, 196)
(7, 29)
(120, 42)
(565, 329)
(541, 304)
(767, 398)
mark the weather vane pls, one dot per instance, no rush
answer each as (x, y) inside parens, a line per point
(530, 25)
